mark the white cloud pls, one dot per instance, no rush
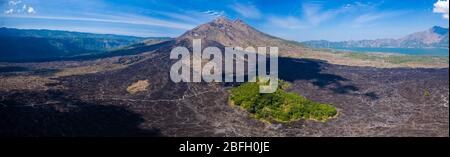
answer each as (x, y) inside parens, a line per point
(365, 19)
(31, 10)
(248, 11)
(214, 13)
(315, 15)
(186, 16)
(289, 22)
(441, 6)
(14, 3)
(9, 11)
(355, 14)
(15, 8)
(369, 18)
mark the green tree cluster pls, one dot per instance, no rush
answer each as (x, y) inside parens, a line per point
(280, 106)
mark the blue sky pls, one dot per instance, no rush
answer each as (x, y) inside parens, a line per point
(299, 20)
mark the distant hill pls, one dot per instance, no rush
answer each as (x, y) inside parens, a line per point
(435, 37)
(26, 44)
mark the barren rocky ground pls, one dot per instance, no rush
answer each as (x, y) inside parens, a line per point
(371, 102)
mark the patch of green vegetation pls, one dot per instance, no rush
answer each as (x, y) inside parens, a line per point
(324, 50)
(398, 59)
(426, 93)
(280, 106)
(362, 56)
(408, 59)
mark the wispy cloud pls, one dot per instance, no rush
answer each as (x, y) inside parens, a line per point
(14, 3)
(246, 10)
(124, 19)
(179, 16)
(214, 13)
(441, 6)
(289, 22)
(369, 18)
(356, 14)
(313, 15)
(316, 14)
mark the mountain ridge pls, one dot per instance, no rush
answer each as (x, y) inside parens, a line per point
(6, 31)
(32, 44)
(435, 37)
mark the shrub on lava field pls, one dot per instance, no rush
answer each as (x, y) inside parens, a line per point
(280, 106)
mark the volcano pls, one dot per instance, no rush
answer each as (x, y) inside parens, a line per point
(232, 33)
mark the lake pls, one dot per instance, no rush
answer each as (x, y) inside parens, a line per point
(407, 51)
